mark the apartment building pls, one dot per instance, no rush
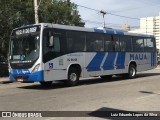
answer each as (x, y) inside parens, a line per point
(150, 26)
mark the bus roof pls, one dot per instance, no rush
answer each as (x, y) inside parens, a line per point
(97, 30)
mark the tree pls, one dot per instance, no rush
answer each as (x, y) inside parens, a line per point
(16, 13)
(60, 12)
(13, 14)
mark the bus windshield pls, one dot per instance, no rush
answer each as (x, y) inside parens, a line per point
(24, 47)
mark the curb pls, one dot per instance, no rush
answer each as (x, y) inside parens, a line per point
(5, 82)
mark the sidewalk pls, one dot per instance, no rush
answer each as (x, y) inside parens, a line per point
(4, 80)
(158, 67)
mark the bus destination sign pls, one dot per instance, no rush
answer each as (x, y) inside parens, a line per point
(27, 30)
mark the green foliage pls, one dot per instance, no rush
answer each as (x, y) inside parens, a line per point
(59, 12)
(16, 13)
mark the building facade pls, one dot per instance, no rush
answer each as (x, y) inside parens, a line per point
(125, 27)
(150, 26)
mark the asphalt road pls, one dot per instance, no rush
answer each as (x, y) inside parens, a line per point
(116, 94)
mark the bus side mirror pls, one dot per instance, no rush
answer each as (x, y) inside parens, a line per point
(51, 41)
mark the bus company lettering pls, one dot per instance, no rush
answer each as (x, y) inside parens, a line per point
(141, 56)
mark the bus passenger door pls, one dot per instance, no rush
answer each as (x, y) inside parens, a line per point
(53, 50)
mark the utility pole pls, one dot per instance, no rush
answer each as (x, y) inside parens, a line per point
(103, 13)
(36, 11)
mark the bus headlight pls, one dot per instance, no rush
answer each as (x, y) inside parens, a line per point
(36, 68)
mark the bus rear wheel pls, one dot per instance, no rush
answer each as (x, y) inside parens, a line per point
(132, 71)
(73, 77)
(46, 84)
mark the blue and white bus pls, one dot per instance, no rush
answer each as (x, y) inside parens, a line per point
(47, 52)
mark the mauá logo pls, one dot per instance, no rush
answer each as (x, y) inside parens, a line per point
(138, 57)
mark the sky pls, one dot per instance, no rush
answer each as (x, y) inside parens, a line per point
(129, 8)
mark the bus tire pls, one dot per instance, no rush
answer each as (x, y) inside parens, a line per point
(73, 77)
(132, 71)
(106, 76)
(46, 84)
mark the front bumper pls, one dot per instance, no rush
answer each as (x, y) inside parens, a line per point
(28, 77)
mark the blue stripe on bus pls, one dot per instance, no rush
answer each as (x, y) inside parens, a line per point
(36, 77)
(153, 60)
(98, 31)
(21, 72)
(119, 32)
(120, 63)
(95, 63)
(110, 31)
(32, 77)
(109, 62)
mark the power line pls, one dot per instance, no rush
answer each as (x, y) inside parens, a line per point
(123, 16)
(90, 21)
(108, 24)
(108, 12)
(98, 22)
(88, 8)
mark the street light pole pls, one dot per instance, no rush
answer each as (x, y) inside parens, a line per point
(36, 11)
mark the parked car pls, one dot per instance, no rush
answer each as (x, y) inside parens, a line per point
(3, 66)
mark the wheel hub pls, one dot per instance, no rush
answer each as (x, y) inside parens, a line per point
(132, 72)
(73, 77)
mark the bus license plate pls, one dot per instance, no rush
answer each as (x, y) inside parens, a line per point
(19, 80)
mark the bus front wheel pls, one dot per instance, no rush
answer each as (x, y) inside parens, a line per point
(73, 77)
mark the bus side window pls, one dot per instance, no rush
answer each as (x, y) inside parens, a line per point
(116, 43)
(125, 43)
(138, 44)
(108, 43)
(95, 42)
(75, 41)
(148, 45)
